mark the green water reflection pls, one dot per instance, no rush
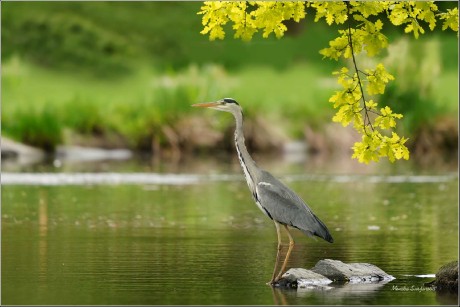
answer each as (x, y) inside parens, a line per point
(209, 244)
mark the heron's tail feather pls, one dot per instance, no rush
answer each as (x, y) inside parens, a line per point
(322, 231)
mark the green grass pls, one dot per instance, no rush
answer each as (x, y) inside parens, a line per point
(106, 37)
(425, 88)
(38, 104)
(292, 97)
(138, 105)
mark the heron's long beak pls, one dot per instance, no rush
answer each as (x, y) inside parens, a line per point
(206, 105)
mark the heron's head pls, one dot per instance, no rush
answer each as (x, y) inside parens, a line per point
(226, 104)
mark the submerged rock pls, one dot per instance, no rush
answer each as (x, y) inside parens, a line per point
(328, 271)
(22, 153)
(79, 153)
(446, 278)
(350, 272)
(299, 277)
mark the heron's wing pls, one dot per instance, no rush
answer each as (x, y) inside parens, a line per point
(285, 206)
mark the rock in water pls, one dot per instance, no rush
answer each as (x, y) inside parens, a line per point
(328, 271)
(23, 153)
(350, 272)
(446, 278)
(299, 277)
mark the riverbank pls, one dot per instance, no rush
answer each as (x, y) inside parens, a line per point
(151, 112)
(192, 135)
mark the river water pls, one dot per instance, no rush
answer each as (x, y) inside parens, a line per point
(151, 233)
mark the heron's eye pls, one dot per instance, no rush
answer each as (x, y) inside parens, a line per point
(230, 100)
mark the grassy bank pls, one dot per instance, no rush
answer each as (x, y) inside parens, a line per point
(45, 107)
(39, 105)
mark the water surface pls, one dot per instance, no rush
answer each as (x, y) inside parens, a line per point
(191, 234)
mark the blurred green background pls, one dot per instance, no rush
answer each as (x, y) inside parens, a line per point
(124, 74)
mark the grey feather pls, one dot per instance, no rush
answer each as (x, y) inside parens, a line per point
(286, 207)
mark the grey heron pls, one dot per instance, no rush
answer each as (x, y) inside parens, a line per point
(274, 199)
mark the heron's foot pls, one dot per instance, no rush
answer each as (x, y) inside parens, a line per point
(278, 277)
(273, 282)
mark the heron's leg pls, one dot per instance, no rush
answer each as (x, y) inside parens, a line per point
(278, 232)
(291, 246)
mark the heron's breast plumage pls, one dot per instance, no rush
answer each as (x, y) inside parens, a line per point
(251, 182)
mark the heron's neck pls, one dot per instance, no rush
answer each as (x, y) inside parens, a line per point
(250, 169)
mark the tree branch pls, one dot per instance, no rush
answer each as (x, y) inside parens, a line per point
(350, 43)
